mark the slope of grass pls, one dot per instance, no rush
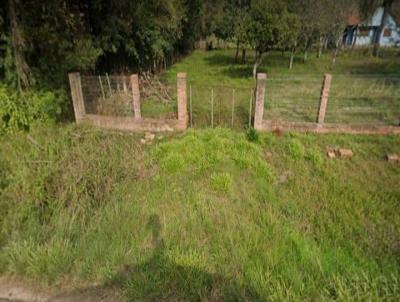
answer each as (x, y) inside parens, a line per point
(205, 215)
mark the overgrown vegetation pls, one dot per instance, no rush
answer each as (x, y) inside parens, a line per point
(204, 215)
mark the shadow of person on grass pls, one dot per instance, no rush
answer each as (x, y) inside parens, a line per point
(160, 279)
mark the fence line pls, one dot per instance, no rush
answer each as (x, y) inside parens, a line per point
(130, 99)
(320, 126)
(339, 104)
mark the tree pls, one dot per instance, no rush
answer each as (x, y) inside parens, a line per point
(387, 4)
(337, 17)
(48, 39)
(18, 45)
(267, 27)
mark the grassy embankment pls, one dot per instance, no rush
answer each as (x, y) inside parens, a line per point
(203, 215)
(364, 89)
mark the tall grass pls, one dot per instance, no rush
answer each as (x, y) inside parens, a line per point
(206, 215)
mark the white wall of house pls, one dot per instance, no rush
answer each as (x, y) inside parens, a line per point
(375, 20)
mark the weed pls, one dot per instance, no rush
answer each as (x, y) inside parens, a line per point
(252, 134)
(296, 149)
(221, 182)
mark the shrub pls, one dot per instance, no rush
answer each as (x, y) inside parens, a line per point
(296, 149)
(252, 134)
(315, 157)
(221, 182)
(21, 111)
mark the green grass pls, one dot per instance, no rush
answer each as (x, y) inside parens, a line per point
(364, 89)
(206, 215)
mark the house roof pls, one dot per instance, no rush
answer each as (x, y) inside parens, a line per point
(353, 18)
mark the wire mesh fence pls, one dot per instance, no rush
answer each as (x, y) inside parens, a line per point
(292, 98)
(107, 95)
(365, 99)
(158, 98)
(112, 96)
(220, 106)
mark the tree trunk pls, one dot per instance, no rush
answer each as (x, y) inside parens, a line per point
(257, 63)
(243, 56)
(335, 52)
(355, 38)
(320, 46)
(18, 44)
(305, 56)
(237, 52)
(292, 55)
(377, 39)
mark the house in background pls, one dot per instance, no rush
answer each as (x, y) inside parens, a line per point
(360, 33)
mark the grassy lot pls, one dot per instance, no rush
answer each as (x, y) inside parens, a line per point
(205, 215)
(364, 89)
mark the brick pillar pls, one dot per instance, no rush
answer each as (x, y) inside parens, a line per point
(77, 96)
(260, 96)
(181, 92)
(135, 96)
(326, 85)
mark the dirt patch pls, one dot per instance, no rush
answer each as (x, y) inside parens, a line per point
(13, 290)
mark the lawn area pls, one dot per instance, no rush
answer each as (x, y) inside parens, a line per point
(205, 215)
(365, 90)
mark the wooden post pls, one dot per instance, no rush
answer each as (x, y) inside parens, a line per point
(181, 92)
(260, 96)
(326, 85)
(136, 96)
(77, 95)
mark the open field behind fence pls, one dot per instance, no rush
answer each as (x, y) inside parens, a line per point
(352, 99)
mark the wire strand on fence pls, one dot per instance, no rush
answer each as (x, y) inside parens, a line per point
(251, 107)
(190, 106)
(233, 106)
(102, 89)
(212, 108)
(109, 85)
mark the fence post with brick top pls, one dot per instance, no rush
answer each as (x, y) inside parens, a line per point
(182, 98)
(260, 96)
(326, 85)
(136, 96)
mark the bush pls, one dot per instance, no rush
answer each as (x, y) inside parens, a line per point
(221, 182)
(296, 149)
(251, 134)
(21, 111)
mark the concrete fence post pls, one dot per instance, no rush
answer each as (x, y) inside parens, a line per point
(136, 96)
(182, 99)
(77, 95)
(323, 103)
(260, 97)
